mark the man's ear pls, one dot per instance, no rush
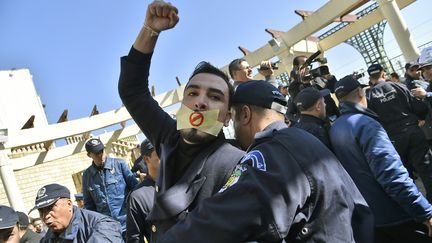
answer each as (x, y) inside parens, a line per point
(246, 115)
(227, 118)
(318, 105)
(88, 154)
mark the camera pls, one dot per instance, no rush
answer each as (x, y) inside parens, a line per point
(358, 74)
(316, 72)
(274, 66)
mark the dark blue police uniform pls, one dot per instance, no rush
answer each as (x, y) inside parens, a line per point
(288, 188)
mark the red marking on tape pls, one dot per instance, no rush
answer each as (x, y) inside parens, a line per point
(196, 119)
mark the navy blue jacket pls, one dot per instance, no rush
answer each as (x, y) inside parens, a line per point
(140, 203)
(364, 149)
(288, 188)
(395, 106)
(206, 173)
(314, 126)
(87, 226)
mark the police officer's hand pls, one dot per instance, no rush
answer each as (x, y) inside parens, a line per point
(428, 223)
(161, 16)
(266, 68)
(418, 93)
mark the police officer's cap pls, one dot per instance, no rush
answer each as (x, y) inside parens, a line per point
(260, 93)
(426, 57)
(94, 145)
(79, 196)
(307, 97)
(345, 85)
(49, 194)
(412, 64)
(8, 217)
(146, 147)
(374, 68)
(23, 219)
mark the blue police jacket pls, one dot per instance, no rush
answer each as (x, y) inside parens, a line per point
(365, 150)
(87, 226)
(289, 187)
(105, 191)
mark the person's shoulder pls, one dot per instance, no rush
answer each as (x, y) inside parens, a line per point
(88, 170)
(142, 191)
(31, 236)
(88, 214)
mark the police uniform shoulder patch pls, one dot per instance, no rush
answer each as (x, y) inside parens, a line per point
(255, 159)
(235, 175)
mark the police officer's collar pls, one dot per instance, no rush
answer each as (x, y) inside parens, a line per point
(268, 131)
(353, 108)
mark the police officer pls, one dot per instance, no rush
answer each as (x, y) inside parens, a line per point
(412, 73)
(140, 201)
(399, 113)
(310, 103)
(196, 159)
(106, 183)
(288, 187)
(9, 232)
(68, 223)
(425, 61)
(400, 211)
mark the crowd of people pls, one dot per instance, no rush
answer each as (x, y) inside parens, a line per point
(300, 169)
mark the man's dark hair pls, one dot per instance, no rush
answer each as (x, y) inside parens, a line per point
(35, 219)
(235, 65)
(296, 60)
(206, 67)
(394, 75)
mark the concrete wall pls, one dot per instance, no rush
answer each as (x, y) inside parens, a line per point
(58, 171)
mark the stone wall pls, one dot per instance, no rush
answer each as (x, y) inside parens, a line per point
(58, 171)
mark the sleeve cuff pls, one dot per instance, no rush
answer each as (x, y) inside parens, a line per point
(137, 57)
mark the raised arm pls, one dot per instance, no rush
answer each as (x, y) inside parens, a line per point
(160, 16)
(155, 123)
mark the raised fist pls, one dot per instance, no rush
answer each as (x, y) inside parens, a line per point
(161, 16)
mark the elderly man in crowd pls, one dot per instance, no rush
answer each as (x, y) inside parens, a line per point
(68, 223)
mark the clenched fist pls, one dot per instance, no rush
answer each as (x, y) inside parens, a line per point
(161, 16)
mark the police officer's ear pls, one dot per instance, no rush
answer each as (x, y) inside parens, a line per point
(245, 115)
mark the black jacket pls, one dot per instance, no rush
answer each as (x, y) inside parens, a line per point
(30, 237)
(314, 126)
(395, 106)
(206, 174)
(140, 203)
(288, 188)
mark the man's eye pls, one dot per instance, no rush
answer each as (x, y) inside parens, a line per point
(215, 97)
(192, 94)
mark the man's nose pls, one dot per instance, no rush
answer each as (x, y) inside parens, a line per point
(201, 103)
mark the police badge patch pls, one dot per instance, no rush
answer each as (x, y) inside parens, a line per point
(255, 159)
(238, 171)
